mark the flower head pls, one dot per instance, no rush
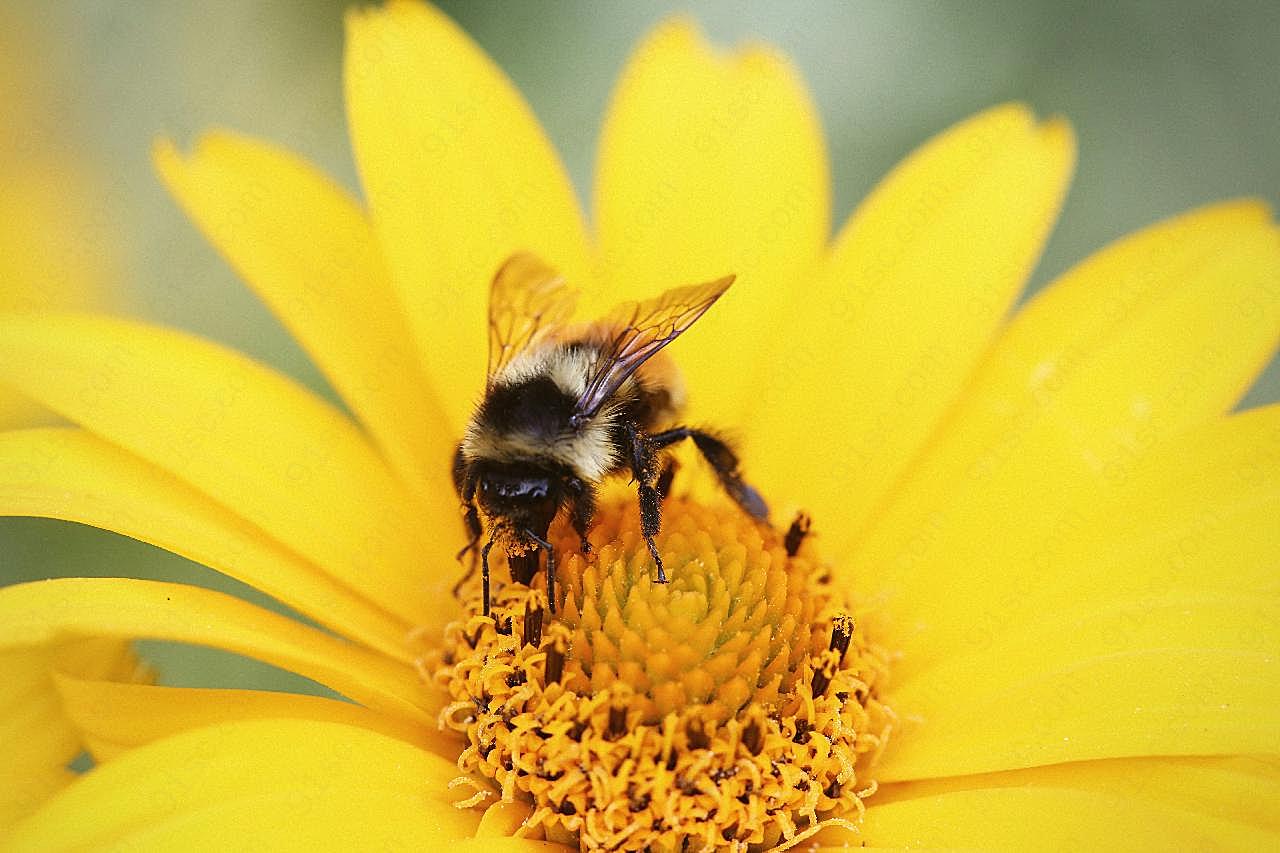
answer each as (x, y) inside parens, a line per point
(733, 705)
(1036, 603)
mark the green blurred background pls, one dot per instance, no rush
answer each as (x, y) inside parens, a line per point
(1175, 105)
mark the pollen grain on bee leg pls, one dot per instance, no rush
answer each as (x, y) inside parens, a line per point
(735, 707)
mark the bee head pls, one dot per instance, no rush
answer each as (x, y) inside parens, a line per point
(522, 495)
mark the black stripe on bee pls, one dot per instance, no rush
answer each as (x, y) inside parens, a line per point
(535, 406)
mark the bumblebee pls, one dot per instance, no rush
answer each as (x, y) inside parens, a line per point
(566, 407)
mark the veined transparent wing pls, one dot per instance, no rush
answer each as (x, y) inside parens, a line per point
(643, 329)
(527, 299)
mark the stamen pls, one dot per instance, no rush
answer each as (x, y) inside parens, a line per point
(523, 567)
(736, 705)
(533, 623)
(796, 534)
(617, 726)
(697, 734)
(841, 634)
(555, 664)
(753, 737)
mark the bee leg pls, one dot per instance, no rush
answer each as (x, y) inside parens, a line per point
(651, 523)
(582, 509)
(484, 572)
(797, 533)
(551, 566)
(724, 461)
(643, 470)
(472, 519)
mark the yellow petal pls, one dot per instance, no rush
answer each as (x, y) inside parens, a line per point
(458, 176)
(1136, 804)
(1165, 674)
(72, 475)
(712, 164)
(507, 845)
(1238, 789)
(252, 440)
(37, 740)
(58, 246)
(886, 334)
(1196, 515)
(264, 785)
(45, 611)
(36, 743)
(1049, 819)
(115, 717)
(308, 250)
(503, 819)
(1153, 336)
(52, 255)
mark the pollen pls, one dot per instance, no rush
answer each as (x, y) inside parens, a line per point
(732, 708)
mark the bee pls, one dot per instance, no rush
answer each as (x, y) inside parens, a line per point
(566, 407)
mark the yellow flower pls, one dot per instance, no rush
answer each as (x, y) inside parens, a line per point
(1039, 609)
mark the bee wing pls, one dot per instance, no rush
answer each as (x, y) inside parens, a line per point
(527, 299)
(643, 329)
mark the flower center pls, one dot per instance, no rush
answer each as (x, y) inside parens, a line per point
(735, 706)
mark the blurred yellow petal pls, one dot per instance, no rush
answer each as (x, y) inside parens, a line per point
(307, 249)
(72, 475)
(1159, 333)
(42, 266)
(458, 176)
(711, 164)
(502, 819)
(1238, 789)
(57, 243)
(1170, 674)
(1137, 804)
(37, 740)
(1197, 515)
(251, 439)
(264, 785)
(45, 611)
(507, 845)
(36, 743)
(1049, 819)
(114, 717)
(916, 287)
